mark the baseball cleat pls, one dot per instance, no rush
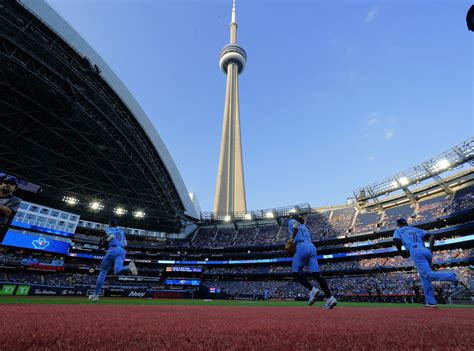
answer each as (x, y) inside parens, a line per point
(313, 295)
(463, 281)
(93, 298)
(330, 303)
(133, 268)
(428, 305)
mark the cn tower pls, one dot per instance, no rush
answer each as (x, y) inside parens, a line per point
(230, 186)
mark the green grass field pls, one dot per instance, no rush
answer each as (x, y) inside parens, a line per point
(189, 302)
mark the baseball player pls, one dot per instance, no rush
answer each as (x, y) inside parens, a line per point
(413, 240)
(115, 255)
(305, 255)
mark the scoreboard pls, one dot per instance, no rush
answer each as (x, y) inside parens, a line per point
(184, 269)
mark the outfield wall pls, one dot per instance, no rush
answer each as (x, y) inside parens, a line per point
(18, 289)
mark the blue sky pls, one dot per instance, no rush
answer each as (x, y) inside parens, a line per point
(336, 94)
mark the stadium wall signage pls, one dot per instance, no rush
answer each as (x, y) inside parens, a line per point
(7, 289)
(45, 267)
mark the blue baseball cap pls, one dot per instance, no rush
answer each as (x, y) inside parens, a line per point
(10, 179)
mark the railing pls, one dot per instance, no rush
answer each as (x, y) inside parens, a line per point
(271, 213)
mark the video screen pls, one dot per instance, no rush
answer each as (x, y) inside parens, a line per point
(35, 241)
(194, 282)
(185, 269)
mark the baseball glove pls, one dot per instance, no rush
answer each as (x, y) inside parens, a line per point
(290, 247)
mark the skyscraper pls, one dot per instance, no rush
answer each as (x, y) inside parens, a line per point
(230, 186)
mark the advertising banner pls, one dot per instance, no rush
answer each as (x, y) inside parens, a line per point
(63, 291)
(7, 290)
(185, 269)
(23, 290)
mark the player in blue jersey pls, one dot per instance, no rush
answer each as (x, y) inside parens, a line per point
(305, 255)
(114, 257)
(266, 294)
(413, 240)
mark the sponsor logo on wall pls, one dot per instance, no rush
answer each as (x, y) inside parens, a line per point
(136, 294)
(92, 291)
(7, 290)
(44, 292)
(45, 267)
(40, 243)
(69, 292)
(168, 295)
(23, 290)
(116, 290)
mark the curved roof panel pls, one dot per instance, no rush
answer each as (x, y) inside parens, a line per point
(89, 109)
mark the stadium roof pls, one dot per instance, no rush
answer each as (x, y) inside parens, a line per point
(70, 125)
(431, 169)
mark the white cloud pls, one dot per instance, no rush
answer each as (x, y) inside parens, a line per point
(372, 119)
(388, 134)
(371, 14)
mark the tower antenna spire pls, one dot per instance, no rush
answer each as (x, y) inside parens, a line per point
(234, 20)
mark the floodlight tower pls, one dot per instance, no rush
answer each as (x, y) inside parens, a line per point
(230, 187)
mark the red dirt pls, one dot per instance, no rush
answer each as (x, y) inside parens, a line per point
(106, 327)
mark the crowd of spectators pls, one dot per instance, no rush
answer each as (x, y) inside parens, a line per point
(467, 253)
(224, 237)
(323, 225)
(56, 279)
(339, 222)
(392, 283)
(431, 208)
(182, 243)
(392, 214)
(9, 257)
(398, 261)
(268, 235)
(24, 258)
(330, 224)
(370, 263)
(245, 236)
(365, 222)
(204, 237)
(462, 200)
(319, 226)
(337, 266)
(362, 264)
